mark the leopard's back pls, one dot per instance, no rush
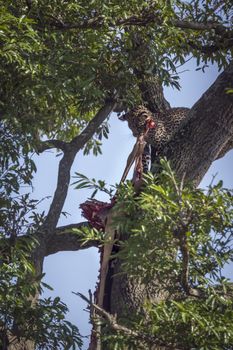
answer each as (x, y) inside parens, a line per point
(167, 124)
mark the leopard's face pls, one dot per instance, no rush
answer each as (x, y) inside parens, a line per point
(137, 119)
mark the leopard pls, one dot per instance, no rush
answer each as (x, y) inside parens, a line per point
(167, 123)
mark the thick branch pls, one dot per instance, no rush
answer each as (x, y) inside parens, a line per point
(60, 194)
(207, 130)
(150, 16)
(147, 16)
(65, 239)
(221, 44)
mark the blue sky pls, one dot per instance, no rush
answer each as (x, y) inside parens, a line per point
(77, 271)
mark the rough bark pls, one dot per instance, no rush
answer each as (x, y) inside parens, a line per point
(207, 133)
(65, 239)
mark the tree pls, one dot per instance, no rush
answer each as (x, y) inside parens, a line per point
(66, 66)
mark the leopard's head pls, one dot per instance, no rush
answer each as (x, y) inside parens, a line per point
(137, 119)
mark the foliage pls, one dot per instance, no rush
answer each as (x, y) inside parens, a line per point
(92, 184)
(204, 218)
(42, 322)
(61, 60)
(181, 238)
(16, 164)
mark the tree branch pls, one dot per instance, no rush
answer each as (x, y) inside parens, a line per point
(65, 239)
(222, 43)
(184, 279)
(222, 38)
(147, 16)
(197, 25)
(70, 151)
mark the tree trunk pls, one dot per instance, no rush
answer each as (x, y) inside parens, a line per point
(206, 132)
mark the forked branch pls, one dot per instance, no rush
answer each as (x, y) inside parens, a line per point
(70, 151)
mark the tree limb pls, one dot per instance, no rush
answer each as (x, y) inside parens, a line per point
(151, 15)
(222, 43)
(79, 141)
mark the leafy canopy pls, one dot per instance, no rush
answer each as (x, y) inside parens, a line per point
(61, 60)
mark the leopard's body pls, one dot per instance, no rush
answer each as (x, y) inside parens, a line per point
(167, 124)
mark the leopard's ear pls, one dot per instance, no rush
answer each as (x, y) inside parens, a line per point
(123, 117)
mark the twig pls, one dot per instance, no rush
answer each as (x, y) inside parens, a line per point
(185, 220)
(184, 278)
